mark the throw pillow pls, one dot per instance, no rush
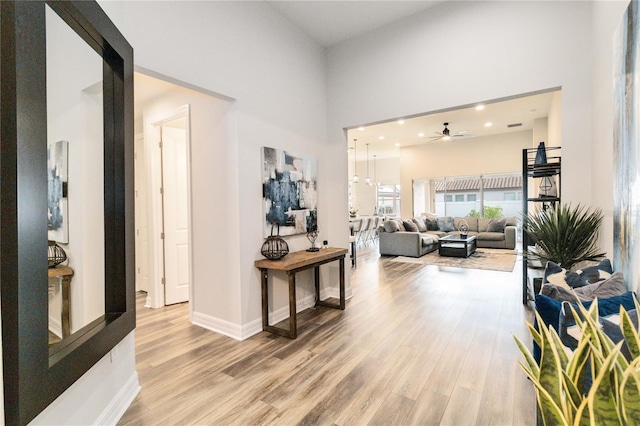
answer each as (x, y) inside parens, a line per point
(549, 310)
(496, 225)
(608, 306)
(391, 226)
(557, 275)
(409, 226)
(613, 286)
(422, 227)
(557, 292)
(445, 224)
(432, 225)
(604, 289)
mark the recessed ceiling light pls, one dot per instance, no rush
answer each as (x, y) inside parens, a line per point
(488, 124)
(479, 107)
(361, 128)
(401, 122)
(380, 137)
(396, 144)
(420, 135)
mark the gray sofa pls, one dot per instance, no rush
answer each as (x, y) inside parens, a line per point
(396, 240)
(403, 243)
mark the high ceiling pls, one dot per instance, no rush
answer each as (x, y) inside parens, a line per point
(332, 22)
(513, 115)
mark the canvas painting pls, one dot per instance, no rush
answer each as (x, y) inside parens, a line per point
(289, 191)
(57, 220)
(626, 161)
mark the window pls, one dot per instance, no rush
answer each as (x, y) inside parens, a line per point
(513, 196)
(478, 195)
(388, 199)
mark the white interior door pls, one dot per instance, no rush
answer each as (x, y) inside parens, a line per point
(175, 208)
(142, 240)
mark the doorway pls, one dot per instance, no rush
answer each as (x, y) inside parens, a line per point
(167, 139)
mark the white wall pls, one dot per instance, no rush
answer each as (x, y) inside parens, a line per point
(431, 62)
(102, 395)
(246, 51)
(364, 197)
(213, 161)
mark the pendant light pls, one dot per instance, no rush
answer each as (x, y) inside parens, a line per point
(355, 158)
(368, 180)
(375, 182)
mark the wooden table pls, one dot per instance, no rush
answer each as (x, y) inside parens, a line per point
(293, 263)
(64, 274)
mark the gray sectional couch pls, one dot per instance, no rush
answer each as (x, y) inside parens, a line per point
(416, 237)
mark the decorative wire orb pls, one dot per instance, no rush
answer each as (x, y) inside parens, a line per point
(463, 228)
(312, 236)
(274, 247)
(55, 254)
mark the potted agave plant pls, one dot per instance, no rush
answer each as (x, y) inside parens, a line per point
(565, 235)
(596, 384)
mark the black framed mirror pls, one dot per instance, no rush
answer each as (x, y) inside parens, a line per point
(35, 374)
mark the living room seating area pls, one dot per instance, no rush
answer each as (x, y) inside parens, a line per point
(415, 237)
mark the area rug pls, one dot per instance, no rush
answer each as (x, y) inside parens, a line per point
(487, 259)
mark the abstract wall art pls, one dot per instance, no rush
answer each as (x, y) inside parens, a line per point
(57, 208)
(626, 149)
(289, 191)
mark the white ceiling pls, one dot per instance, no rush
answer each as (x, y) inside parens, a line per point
(466, 120)
(332, 22)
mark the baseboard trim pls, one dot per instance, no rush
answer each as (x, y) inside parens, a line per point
(242, 332)
(218, 325)
(120, 403)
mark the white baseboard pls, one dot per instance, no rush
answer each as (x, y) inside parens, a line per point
(55, 326)
(242, 332)
(120, 403)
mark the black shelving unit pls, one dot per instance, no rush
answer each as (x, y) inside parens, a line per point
(532, 173)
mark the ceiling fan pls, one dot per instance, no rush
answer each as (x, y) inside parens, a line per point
(447, 135)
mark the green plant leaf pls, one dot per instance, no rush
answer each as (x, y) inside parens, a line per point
(575, 397)
(551, 368)
(565, 235)
(534, 333)
(630, 394)
(630, 334)
(551, 413)
(602, 402)
(531, 363)
(582, 415)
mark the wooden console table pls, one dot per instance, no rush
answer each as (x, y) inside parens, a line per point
(292, 264)
(64, 274)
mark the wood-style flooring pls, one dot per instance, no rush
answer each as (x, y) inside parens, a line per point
(416, 345)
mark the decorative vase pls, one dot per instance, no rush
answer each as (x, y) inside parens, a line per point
(55, 254)
(274, 247)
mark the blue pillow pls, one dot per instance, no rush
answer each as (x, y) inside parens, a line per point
(549, 310)
(445, 224)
